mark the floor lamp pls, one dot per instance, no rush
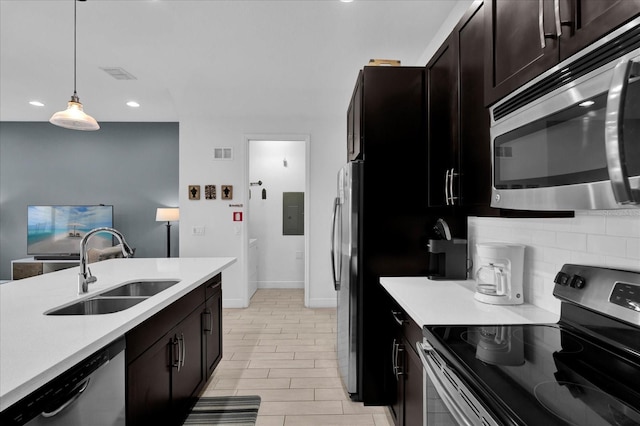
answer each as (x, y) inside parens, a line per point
(170, 214)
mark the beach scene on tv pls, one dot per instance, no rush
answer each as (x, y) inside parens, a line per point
(58, 230)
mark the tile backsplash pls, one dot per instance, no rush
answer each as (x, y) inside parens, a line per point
(609, 238)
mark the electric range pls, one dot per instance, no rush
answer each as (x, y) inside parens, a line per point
(582, 370)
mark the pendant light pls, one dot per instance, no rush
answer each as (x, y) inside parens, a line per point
(74, 117)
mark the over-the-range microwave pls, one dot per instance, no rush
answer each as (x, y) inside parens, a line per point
(570, 139)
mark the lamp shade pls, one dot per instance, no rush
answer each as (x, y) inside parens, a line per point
(74, 117)
(167, 214)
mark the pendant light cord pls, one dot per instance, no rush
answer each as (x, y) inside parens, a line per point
(75, 42)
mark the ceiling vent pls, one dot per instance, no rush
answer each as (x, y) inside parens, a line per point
(118, 73)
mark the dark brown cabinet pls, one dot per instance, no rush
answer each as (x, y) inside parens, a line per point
(212, 326)
(354, 117)
(171, 355)
(526, 38)
(407, 407)
(458, 123)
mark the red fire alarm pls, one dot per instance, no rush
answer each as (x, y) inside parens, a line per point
(237, 216)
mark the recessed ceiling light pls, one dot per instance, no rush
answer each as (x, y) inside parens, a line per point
(133, 104)
(36, 103)
(346, 1)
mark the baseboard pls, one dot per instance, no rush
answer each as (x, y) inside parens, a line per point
(280, 284)
(232, 303)
(331, 302)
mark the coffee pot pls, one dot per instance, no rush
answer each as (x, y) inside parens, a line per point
(500, 273)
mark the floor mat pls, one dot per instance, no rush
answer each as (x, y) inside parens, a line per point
(225, 410)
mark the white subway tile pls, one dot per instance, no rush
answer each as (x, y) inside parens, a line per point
(588, 224)
(572, 241)
(624, 226)
(633, 248)
(583, 258)
(609, 246)
(623, 263)
(544, 238)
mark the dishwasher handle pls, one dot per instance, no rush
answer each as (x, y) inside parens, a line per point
(77, 392)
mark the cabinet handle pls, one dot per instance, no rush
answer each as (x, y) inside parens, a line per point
(209, 329)
(543, 43)
(183, 354)
(446, 187)
(556, 13)
(451, 196)
(399, 369)
(176, 357)
(397, 316)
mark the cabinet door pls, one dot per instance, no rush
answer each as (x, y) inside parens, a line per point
(186, 375)
(397, 363)
(413, 408)
(521, 43)
(473, 185)
(442, 109)
(149, 386)
(585, 21)
(212, 329)
(355, 110)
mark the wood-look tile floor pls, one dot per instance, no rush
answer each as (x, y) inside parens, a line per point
(286, 353)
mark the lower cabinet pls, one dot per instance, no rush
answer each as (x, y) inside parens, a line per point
(212, 325)
(171, 355)
(407, 409)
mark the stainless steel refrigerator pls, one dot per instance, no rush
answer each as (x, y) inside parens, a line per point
(381, 221)
(344, 258)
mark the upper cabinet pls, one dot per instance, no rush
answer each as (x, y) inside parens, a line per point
(458, 123)
(526, 38)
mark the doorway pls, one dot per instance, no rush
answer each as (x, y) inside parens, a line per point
(277, 220)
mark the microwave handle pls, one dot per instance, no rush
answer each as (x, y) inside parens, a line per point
(614, 141)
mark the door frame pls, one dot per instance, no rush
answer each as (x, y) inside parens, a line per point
(307, 214)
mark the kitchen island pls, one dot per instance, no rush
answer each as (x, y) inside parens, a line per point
(36, 348)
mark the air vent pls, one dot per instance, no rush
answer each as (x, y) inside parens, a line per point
(223, 153)
(118, 73)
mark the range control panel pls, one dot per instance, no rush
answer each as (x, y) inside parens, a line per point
(612, 292)
(626, 295)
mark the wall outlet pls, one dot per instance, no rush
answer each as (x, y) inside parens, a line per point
(197, 231)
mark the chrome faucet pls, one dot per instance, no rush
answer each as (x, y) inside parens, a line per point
(84, 277)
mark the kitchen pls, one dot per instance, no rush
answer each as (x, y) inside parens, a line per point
(597, 236)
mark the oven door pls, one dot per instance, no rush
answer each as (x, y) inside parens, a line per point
(447, 401)
(575, 148)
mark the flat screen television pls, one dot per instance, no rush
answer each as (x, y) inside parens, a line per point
(55, 232)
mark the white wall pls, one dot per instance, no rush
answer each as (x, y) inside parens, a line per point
(199, 134)
(608, 238)
(280, 257)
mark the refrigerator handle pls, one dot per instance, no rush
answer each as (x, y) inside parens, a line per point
(336, 277)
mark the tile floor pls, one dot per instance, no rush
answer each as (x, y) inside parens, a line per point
(286, 353)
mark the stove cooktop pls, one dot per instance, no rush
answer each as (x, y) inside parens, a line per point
(584, 370)
(543, 374)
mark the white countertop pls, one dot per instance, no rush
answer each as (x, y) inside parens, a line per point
(36, 348)
(430, 302)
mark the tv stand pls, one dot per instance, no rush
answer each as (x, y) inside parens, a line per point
(30, 267)
(75, 257)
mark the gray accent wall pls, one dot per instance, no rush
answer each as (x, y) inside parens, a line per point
(132, 166)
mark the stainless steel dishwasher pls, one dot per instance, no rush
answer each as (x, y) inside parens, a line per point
(90, 393)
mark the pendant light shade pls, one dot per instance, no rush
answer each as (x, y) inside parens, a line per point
(74, 117)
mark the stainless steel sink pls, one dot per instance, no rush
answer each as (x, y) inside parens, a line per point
(140, 288)
(115, 300)
(98, 306)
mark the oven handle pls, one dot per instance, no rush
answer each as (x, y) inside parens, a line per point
(448, 399)
(614, 141)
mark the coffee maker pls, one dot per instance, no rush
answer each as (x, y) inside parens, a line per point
(447, 255)
(500, 273)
